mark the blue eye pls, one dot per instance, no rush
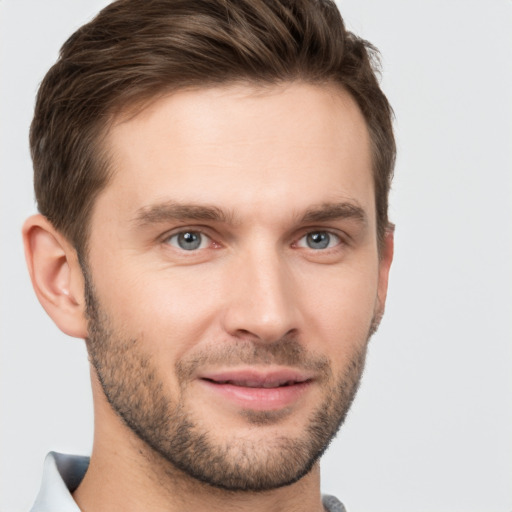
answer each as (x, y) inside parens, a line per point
(319, 240)
(189, 240)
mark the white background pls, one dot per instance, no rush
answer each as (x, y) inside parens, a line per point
(431, 429)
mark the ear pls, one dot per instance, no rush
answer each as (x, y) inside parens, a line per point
(385, 260)
(56, 275)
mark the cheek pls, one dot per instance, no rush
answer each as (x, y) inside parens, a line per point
(169, 310)
(340, 311)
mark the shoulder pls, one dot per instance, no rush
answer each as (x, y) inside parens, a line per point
(332, 504)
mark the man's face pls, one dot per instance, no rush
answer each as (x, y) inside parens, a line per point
(233, 277)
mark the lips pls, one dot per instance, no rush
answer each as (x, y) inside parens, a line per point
(257, 384)
(257, 379)
(258, 390)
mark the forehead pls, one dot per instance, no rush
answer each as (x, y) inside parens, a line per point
(244, 148)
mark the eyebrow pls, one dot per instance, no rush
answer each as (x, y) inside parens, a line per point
(173, 211)
(335, 211)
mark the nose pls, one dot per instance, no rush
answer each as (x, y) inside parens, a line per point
(262, 303)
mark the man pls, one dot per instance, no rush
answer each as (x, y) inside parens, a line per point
(212, 178)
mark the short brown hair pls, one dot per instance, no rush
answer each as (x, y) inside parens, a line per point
(135, 50)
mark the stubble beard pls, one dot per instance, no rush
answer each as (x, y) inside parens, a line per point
(133, 388)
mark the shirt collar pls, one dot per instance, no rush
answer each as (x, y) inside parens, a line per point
(61, 476)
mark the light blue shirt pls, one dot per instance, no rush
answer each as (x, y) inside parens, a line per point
(63, 473)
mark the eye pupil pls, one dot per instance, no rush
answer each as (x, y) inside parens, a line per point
(189, 240)
(318, 240)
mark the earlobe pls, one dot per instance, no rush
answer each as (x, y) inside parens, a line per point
(56, 275)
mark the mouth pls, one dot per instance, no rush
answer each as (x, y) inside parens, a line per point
(268, 384)
(258, 390)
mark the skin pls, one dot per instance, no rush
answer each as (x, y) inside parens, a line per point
(269, 161)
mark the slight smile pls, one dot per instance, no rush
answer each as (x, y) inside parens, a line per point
(260, 390)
